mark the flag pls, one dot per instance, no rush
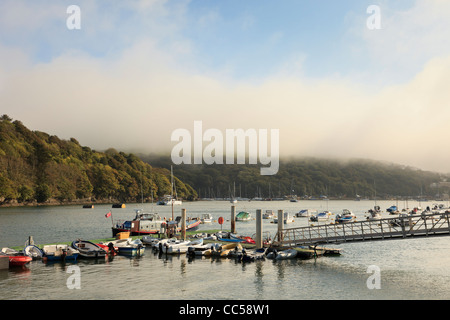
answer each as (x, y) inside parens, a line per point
(108, 215)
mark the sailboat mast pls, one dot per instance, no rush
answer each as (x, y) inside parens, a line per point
(171, 191)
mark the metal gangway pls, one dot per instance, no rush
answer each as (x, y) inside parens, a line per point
(405, 226)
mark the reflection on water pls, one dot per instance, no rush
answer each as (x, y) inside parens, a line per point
(410, 269)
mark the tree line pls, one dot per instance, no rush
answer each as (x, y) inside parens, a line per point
(38, 167)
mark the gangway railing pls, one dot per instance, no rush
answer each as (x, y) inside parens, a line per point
(401, 227)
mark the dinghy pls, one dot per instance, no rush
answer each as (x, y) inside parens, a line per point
(59, 252)
(33, 251)
(129, 247)
(89, 249)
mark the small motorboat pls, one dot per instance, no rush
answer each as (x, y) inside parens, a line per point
(16, 258)
(345, 216)
(322, 216)
(33, 251)
(206, 218)
(305, 213)
(19, 260)
(243, 216)
(128, 247)
(89, 249)
(59, 252)
(286, 218)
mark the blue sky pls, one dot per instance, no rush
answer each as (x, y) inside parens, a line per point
(285, 64)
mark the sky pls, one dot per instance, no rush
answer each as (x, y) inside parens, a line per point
(137, 70)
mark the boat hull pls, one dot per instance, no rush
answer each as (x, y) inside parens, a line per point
(19, 261)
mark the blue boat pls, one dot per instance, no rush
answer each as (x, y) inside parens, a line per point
(345, 216)
(392, 209)
(60, 252)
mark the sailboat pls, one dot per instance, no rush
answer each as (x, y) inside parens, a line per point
(170, 199)
(232, 197)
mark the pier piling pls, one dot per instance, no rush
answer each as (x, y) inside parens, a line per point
(233, 219)
(280, 223)
(259, 242)
(183, 224)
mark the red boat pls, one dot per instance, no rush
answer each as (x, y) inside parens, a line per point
(18, 261)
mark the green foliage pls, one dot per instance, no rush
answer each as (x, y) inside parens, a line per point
(308, 177)
(35, 166)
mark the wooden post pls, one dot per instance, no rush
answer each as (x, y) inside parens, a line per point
(258, 240)
(280, 223)
(183, 224)
(233, 219)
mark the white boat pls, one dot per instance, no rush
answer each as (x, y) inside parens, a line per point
(305, 213)
(286, 218)
(33, 251)
(268, 214)
(181, 246)
(345, 216)
(322, 216)
(286, 254)
(374, 214)
(206, 218)
(129, 247)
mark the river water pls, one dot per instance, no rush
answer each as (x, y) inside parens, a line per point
(407, 269)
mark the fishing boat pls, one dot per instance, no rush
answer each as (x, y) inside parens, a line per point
(59, 252)
(129, 247)
(206, 218)
(243, 216)
(89, 249)
(286, 254)
(322, 216)
(345, 216)
(33, 251)
(144, 223)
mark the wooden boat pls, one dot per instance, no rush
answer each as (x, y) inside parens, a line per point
(128, 247)
(286, 254)
(33, 251)
(89, 249)
(59, 252)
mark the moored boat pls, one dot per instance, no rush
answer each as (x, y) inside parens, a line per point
(59, 252)
(345, 216)
(322, 216)
(128, 247)
(286, 218)
(88, 249)
(305, 213)
(33, 251)
(143, 224)
(243, 216)
(286, 254)
(206, 218)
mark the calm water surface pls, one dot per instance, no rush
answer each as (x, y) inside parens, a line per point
(409, 269)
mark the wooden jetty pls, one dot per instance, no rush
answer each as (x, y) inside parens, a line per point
(402, 227)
